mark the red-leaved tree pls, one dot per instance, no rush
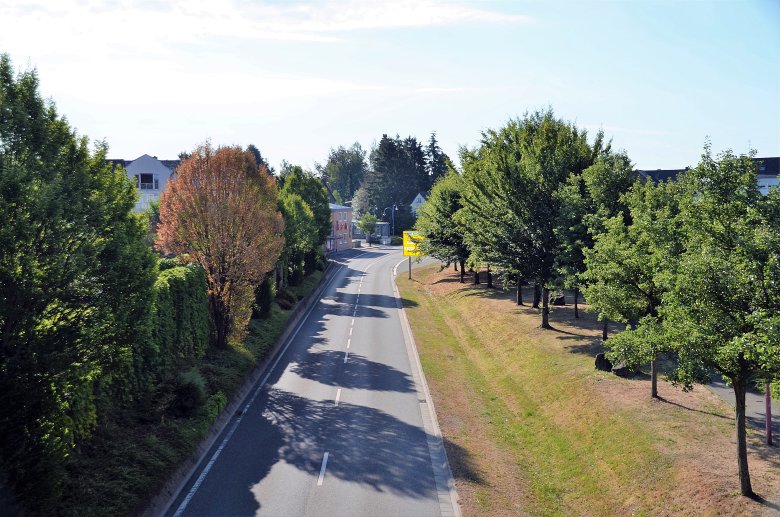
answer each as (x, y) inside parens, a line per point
(221, 211)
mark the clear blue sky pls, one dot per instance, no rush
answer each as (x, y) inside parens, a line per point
(298, 78)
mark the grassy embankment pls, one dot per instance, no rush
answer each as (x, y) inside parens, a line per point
(131, 453)
(532, 428)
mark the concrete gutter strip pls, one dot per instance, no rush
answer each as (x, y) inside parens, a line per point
(160, 503)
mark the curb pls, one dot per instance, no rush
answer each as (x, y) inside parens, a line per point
(160, 503)
(449, 502)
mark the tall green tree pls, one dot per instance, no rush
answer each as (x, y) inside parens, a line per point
(436, 161)
(75, 280)
(723, 309)
(344, 170)
(510, 203)
(586, 201)
(397, 174)
(629, 269)
(261, 161)
(442, 230)
(312, 191)
(301, 233)
(367, 225)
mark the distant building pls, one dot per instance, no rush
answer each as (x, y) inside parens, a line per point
(768, 173)
(151, 177)
(417, 202)
(340, 237)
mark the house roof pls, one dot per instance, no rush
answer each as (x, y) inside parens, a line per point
(768, 167)
(334, 206)
(145, 161)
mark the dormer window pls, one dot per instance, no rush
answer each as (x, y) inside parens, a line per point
(148, 182)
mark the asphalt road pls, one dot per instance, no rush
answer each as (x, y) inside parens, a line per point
(341, 424)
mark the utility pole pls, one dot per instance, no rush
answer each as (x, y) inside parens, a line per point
(768, 412)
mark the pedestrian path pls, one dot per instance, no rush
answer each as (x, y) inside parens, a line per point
(755, 408)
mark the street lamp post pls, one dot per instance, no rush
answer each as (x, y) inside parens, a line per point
(393, 210)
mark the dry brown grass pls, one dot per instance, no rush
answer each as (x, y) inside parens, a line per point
(533, 428)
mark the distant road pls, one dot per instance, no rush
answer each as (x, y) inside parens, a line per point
(342, 425)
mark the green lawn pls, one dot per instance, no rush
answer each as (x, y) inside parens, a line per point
(532, 427)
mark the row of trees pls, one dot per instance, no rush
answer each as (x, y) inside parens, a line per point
(93, 323)
(691, 266)
(397, 170)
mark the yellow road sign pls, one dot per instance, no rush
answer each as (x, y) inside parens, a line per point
(412, 244)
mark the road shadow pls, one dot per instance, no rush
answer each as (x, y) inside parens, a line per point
(362, 374)
(366, 446)
(381, 301)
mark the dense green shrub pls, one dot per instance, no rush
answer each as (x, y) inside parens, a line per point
(286, 299)
(190, 392)
(264, 297)
(396, 240)
(180, 330)
(168, 263)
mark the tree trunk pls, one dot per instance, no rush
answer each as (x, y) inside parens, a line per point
(456, 265)
(519, 290)
(740, 386)
(537, 295)
(489, 278)
(653, 379)
(605, 330)
(768, 413)
(462, 270)
(220, 320)
(576, 298)
(545, 309)
(476, 277)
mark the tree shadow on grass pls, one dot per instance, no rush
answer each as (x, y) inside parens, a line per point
(462, 464)
(591, 348)
(677, 404)
(764, 502)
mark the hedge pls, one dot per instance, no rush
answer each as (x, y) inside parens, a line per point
(180, 330)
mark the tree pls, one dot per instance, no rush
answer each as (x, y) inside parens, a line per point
(722, 312)
(436, 162)
(221, 211)
(75, 283)
(262, 162)
(301, 233)
(312, 191)
(344, 170)
(360, 202)
(396, 176)
(436, 220)
(628, 271)
(367, 225)
(510, 203)
(586, 201)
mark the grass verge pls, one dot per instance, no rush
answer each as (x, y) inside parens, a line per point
(534, 429)
(131, 454)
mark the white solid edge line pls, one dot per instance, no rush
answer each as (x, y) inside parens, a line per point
(281, 353)
(426, 393)
(322, 469)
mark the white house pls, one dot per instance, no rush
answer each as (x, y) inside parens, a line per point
(151, 177)
(417, 202)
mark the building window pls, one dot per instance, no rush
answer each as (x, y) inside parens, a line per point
(147, 182)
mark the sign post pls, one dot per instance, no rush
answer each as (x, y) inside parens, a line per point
(412, 247)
